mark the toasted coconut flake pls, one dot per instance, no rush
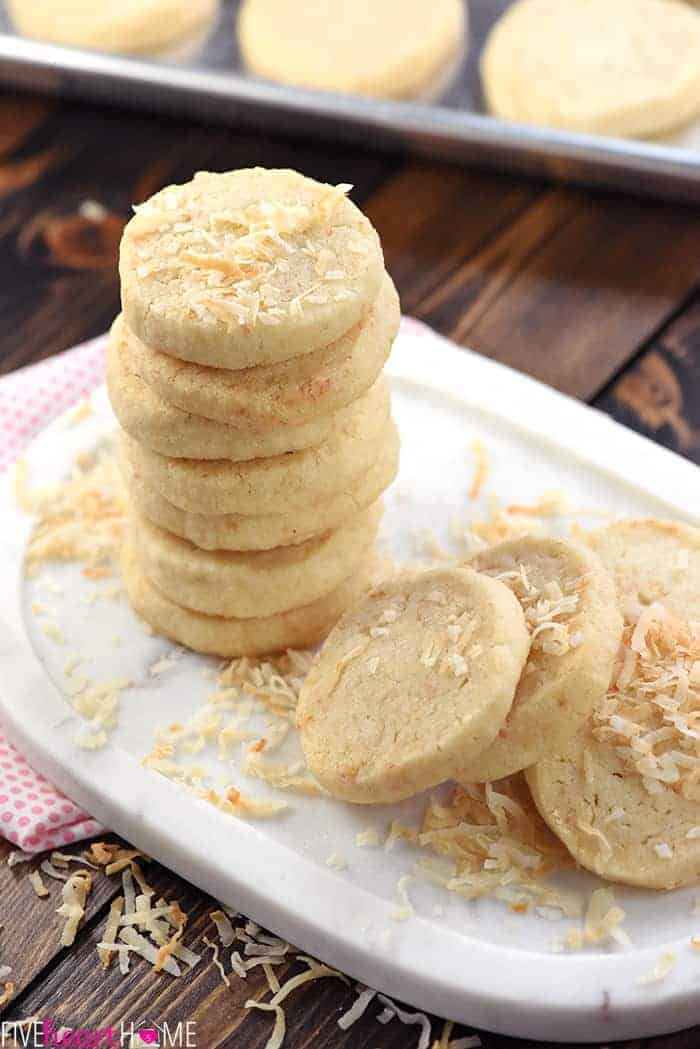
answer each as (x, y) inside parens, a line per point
(659, 971)
(141, 946)
(651, 714)
(19, 857)
(367, 838)
(279, 1030)
(405, 911)
(271, 977)
(602, 922)
(224, 928)
(214, 948)
(411, 1019)
(37, 883)
(74, 893)
(129, 893)
(357, 1009)
(481, 471)
(111, 929)
(315, 971)
(491, 842)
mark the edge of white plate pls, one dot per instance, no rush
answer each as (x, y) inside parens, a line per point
(587, 997)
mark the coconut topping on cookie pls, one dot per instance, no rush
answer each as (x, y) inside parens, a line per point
(651, 714)
(248, 267)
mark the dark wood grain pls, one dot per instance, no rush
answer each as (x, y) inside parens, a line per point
(592, 293)
(659, 394)
(572, 288)
(28, 912)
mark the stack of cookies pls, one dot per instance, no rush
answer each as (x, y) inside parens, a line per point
(245, 371)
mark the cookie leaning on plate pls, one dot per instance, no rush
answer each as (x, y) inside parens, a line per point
(281, 483)
(247, 268)
(624, 793)
(265, 531)
(570, 606)
(412, 682)
(219, 636)
(288, 393)
(245, 585)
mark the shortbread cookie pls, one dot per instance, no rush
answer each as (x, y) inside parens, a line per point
(624, 794)
(285, 394)
(280, 484)
(168, 430)
(549, 63)
(266, 531)
(246, 585)
(247, 267)
(385, 48)
(571, 610)
(416, 677)
(131, 26)
(218, 636)
(649, 561)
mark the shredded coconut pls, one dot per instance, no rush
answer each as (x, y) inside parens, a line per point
(659, 971)
(651, 714)
(405, 911)
(357, 1009)
(75, 893)
(490, 841)
(602, 922)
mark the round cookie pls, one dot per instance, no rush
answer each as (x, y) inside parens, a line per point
(617, 795)
(266, 531)
(247, 585)
(130, 26)
(549, 63)
(247, 267)
(414, 680)
(634, 551)
(571, 610)
(404, 43)
(280, 484)
(218, 636)
(288, 393)
(169, 431)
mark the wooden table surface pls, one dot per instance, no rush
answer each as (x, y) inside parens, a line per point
(595, 294)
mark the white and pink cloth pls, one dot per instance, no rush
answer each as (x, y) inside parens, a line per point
(34, 816)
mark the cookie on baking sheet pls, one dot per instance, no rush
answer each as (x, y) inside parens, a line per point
(412, 682)
(219, 636)
(266, 531)
(170, 431)
(385, 48)
(280, 484)
(549, 63)
(624, 794)
(245, 585)
(131, 26)
(288, 393)
(571, 609)
(247, 267)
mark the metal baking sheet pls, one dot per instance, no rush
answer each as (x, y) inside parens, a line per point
(207, 80)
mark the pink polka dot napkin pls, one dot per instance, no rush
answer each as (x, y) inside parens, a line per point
(33, 814)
